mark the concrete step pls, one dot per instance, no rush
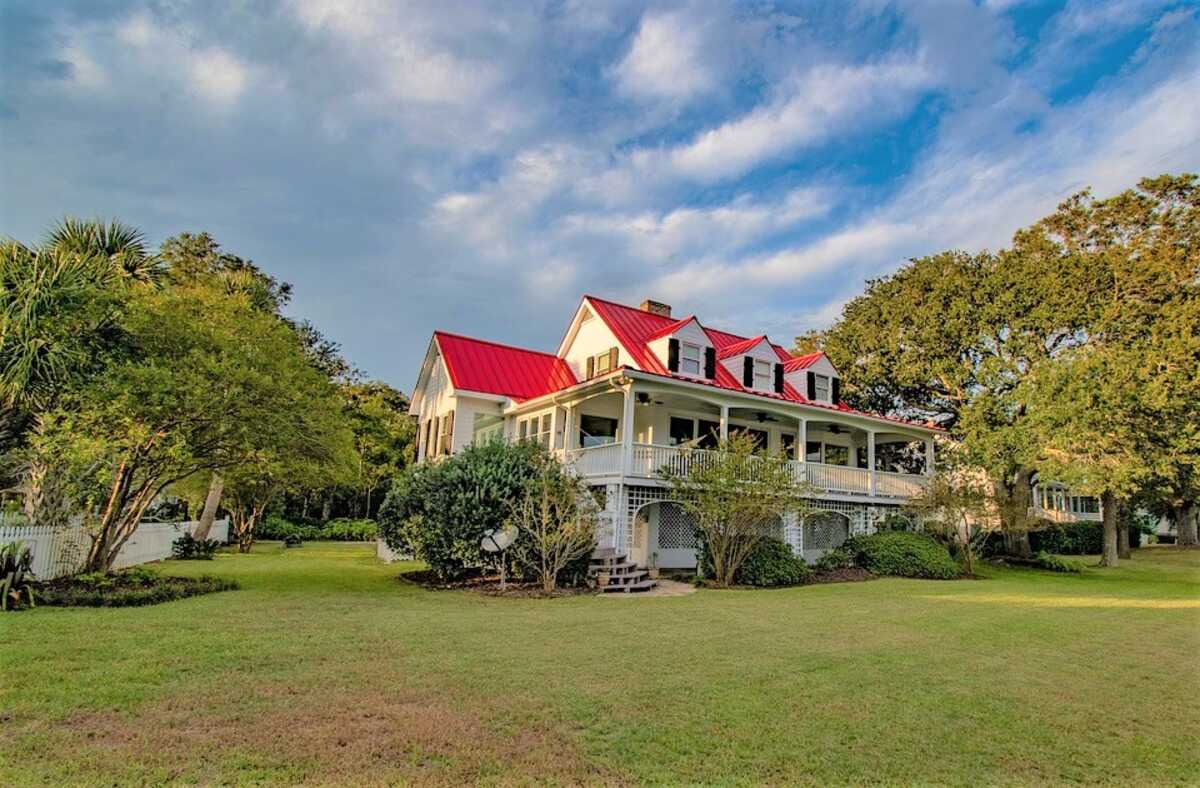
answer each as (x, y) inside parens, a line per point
(644, 585)
(604, 552)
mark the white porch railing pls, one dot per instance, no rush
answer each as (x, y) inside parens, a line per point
(839, 478)
(647, 460)
(596, 460)
(899, 485)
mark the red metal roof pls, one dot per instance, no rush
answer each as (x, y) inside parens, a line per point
(738, 348)
(801, 362)
(492, 368)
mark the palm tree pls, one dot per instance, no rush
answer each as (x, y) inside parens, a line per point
(122, 245)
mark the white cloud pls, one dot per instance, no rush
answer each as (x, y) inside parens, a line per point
(668, 58)
(808, 109)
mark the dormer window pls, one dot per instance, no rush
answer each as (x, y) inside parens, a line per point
(689, 359)
(821, 388)
(762, 375)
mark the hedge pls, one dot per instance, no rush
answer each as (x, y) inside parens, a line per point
(903, 554)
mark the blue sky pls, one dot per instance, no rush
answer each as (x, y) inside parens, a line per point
(476, 167)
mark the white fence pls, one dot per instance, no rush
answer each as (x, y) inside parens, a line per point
(61, 551)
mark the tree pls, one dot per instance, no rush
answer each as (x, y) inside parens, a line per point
(557, 517)
(208, 381)
(736, 498)
(383, 434)
(121, 246)
(958, 504)
(1133, 426)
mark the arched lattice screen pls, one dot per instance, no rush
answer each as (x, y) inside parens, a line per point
(825, 530)
(675, 529)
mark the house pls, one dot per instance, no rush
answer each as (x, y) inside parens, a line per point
(1055, 502)
(631, 388)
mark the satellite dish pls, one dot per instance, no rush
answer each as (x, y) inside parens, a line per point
(497, 540)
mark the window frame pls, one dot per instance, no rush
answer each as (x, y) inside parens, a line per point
(684, 360)
(818, 380)
(763, 375)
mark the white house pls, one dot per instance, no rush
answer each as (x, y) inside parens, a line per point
(628, 387)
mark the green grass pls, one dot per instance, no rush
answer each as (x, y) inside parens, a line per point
(323, 668)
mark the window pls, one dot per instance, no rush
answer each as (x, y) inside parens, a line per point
(682, 430)
(710, 434)
(837, 455)
(762, 375)
(689, 359)
(447, 441)
(758, 436)
(535, 429)
(821, 387)
(812, 451)
(596, 430)
(787, 444)
(603, 363)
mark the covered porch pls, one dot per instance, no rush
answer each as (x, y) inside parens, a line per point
(635, 430)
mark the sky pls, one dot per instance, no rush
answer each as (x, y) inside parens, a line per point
(478, 166)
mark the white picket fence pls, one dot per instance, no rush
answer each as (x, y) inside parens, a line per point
(61, 551)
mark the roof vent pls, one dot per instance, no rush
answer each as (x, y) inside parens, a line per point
(656, 308)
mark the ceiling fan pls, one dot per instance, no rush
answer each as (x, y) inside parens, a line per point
(643, 398)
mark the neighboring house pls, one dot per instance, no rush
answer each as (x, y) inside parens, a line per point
(629, 389)
(1054, 502)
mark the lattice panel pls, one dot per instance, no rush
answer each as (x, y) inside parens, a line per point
(675, 528)
(826, 530)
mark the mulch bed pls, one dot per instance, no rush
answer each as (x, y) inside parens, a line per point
(487, 585)
(853, 574)
(122, 589)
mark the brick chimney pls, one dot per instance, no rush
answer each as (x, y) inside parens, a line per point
(656, 308)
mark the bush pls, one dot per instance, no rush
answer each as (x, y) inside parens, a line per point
(440, 512)
(292, 540)
(346, 530)
(16, 561)
(771, 564)
(903, 554)
(130, 588)
(187, 548)
(1082, 538)
(835, 559)
(1053, 563)
(342, 529)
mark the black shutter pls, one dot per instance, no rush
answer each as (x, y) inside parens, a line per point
(612, 359)
(812, 386)
(710, 363)
(673, 354)
(748, 372)
(591, 366)
(837, 391)
(779, 378)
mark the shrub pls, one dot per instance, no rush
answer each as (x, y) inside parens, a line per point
(903, 554)
(292, 540)
(835, 559)
(1082, 538)
(277, 528)
(346, 530)
(440, 512)
(130, 588)
(1053, 563)
(187, 548)
(16, 561)
(772, 564)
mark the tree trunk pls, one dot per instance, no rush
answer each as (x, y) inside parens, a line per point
(1014, 513)
(325, 509)
(1185, 525)
(1109, 503)
(215, 487)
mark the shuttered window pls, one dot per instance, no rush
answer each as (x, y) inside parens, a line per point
(689, 359)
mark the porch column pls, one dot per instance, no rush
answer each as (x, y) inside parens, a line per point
(568, 427)
(724, 423)
(871, 459)
(929, 469)
(627, 432)
(802, 441)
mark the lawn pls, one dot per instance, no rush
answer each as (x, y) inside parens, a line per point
(324, 668)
